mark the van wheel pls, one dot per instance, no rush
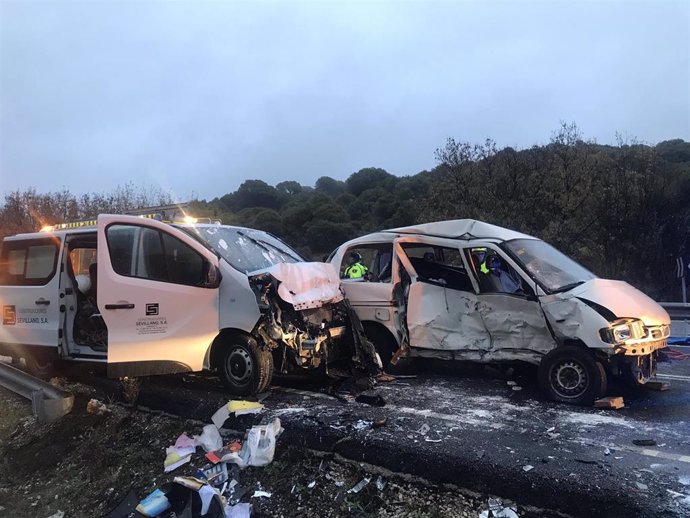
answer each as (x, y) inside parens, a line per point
(383, 343)
(245, 367)
(570, 374)
(41, 367)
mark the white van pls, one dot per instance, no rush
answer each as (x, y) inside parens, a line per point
(468, 290)
(148, 297)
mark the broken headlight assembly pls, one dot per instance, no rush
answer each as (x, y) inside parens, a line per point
(623, 330)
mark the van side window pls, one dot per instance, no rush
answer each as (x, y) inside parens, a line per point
(493, 274)
(29, 263)
(438, 265)
(376, 257)
(148, 253)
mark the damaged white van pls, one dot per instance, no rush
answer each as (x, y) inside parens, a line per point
(468, 290)
(148, 297)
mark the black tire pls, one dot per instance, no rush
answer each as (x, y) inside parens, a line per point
(570, 374)
(245, 367)
(41, 366)
(383, 343)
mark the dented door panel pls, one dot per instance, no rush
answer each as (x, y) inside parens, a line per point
(514, 324)
(441, 318)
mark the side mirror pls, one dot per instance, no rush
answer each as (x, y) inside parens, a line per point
(213, 276)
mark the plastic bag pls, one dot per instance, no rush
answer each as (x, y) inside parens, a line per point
(210, 439)
(260, 445)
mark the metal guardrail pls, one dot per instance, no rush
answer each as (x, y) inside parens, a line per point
(680, 318)
(49, 403)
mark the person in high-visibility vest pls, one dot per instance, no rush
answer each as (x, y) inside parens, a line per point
(479, 255)
(356, 269)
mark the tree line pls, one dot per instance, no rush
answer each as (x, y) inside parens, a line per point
(621, 210)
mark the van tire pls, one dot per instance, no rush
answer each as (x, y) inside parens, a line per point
(571, 374)
(245, 367)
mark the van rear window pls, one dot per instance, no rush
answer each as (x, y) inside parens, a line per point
(30, 262)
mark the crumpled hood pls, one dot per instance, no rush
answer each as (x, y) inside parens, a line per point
(622, 300)
(307, 285)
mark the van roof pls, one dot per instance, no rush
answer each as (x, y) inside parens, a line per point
(461, 229)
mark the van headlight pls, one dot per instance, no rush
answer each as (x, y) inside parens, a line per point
(623, 330)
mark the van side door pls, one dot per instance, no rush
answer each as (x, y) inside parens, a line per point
(508, 306)
(157, 290)
(29, 291)
(441, 299)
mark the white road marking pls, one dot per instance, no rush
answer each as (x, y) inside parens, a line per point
(674, 377)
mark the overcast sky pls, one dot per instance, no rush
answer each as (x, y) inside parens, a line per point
(200, 96)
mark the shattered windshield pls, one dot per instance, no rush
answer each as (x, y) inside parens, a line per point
(245, 249)
(553, 269)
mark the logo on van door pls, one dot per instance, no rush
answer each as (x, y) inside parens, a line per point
(152, 309)
(9, 315)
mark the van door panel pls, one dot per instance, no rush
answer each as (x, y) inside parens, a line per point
(30, 305)
(154, 326)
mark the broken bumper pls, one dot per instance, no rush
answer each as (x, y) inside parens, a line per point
(640, 348)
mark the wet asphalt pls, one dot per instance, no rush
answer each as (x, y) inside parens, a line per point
(482, 429)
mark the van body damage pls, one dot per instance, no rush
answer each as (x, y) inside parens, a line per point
(306, 322)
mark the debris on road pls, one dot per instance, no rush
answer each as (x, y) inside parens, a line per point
(498, 510)
(154, 504)
(379, 423)
(424, 429)
(240, 510)
(644, 442)
(359, 485)
(370, 398)
(612, 402)
(210, 439)
(96, 407)
(381, 483)
(659, 386)
(527, 467)
(261, 494)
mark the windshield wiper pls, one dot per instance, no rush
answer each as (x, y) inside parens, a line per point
(567, 287)
(265, 244)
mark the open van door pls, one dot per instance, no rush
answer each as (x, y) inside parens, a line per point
(441, 303)
(157, 290)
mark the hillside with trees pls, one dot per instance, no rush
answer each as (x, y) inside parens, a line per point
(621, 210)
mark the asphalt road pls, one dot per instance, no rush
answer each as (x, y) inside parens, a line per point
(470, 427)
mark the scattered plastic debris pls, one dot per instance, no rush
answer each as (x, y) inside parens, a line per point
(517, 388)
(607, 451)
(311, 484)
(360, 425)
(154, 504)
(360, 485)
(220, 455)
(498, 510)
(96, 407)
(59, 514)
(511, 383)
(174, 460)
(241, 510)
(261, 494)
(381, 483)
(641, 486)
(210, 439)
(527, 467)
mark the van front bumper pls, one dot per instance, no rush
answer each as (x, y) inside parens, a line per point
(641, 348)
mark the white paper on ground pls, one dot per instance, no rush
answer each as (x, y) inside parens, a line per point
(259, 494)
(221, 415)
(206, 493)
(179, 463)
(238, 511)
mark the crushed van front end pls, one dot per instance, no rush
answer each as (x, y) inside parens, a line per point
(307, 324)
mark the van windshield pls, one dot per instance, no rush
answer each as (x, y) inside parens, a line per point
(245, 249)
(553, 269)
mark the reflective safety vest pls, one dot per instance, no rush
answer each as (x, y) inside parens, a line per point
(355, 271)
(484, 268)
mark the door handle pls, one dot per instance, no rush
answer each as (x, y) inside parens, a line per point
(119, 306)
(42, 302)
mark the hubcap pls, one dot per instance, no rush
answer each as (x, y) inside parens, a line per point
(569, 379)
(240, 366)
